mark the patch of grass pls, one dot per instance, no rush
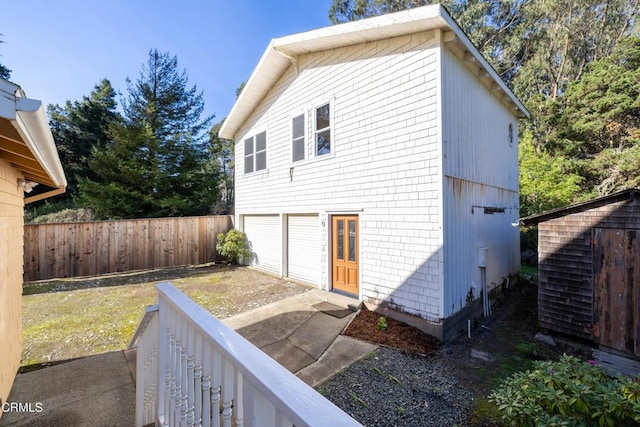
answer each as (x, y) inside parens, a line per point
(66, 324)
(394, 379)
(529, 271)
(484, 413)
(358, 400)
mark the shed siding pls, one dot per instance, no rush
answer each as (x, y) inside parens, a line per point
(11, 236)
(565, 272)
(481, 170)
(384, 166)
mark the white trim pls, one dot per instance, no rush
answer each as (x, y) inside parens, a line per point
(440, 153)
(29, 119)
(266, 151)
(332, 142)
(330, 216)
(277, 57)
(306, 137)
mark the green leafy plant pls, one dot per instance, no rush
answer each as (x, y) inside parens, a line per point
(568, 392)
(382, 323)
(233, 245)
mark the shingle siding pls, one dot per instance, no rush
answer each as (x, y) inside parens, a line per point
(11, 236)
(385, 162)
(565, 271)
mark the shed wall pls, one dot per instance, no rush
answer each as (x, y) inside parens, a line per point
(384, 166)
(481, 184)
(11, 236)
(565, 271)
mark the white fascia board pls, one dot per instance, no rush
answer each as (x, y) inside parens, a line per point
(30, 120)
(33, 126)
(280, 52)
(8, 99)
(469, 46)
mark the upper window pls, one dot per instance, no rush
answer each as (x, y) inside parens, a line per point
(297, 138)
(255, 153)
(510, 134)
(323, 130)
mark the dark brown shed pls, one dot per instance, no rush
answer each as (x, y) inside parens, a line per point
(589, 270)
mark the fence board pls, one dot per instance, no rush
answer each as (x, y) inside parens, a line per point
(99, 247)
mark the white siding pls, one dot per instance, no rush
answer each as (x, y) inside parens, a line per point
(263, 232)
(303, 248)
(481, 170)
(384, 166)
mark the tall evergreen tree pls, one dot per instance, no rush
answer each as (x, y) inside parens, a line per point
(78, 128)
(597, 121)
(5, 73)
(222, 158)
(157, 164)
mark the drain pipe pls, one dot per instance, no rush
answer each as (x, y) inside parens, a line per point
(482, 263)
(485, 296)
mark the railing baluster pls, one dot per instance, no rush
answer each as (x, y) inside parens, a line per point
(227, 393)
(216, 386)
(197, 382)
(238, 401)
(183, 371)
(175, 371)
(192, 370)
(207, 364)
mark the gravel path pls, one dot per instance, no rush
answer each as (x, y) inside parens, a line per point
(395, 388)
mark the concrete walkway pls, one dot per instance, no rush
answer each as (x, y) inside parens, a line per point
(301, 332)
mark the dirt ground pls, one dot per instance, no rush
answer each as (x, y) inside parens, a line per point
(70, 318)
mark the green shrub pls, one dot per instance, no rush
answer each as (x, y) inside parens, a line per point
(568, 392)
(233, 245)
(382, 324)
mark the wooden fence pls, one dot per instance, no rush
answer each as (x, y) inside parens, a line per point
(92, 248)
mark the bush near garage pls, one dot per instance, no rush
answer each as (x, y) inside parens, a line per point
(568, 392)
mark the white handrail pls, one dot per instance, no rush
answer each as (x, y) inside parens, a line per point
(209, 375)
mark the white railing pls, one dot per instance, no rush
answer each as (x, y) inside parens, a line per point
(192, 370)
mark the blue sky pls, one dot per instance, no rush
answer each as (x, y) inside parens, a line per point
(58, 50)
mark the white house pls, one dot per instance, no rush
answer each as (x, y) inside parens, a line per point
(379, 158)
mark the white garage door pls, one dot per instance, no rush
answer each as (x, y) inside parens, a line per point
(263, 232)
(303, 248)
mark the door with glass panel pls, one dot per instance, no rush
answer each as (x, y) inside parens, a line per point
(345, 253)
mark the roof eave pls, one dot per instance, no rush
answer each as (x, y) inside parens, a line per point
(628, 194)
(30, 121)
(278, 55)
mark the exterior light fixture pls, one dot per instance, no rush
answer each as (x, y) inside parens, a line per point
(27, 185)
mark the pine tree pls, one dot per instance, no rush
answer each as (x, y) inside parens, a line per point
(157, 165)
(5, 73)
(78, 128)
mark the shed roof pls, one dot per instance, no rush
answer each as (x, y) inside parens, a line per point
(629, 194)
(281, 52)
(26, 140)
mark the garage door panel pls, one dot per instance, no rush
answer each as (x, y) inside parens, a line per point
(303, 248)
(263, 232)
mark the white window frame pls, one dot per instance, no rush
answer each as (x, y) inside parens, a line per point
(255, 152)
(316, 131)
(304, 137)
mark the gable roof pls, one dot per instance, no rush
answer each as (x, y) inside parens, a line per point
(282, 52)
(26, 140)
(629, 194)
